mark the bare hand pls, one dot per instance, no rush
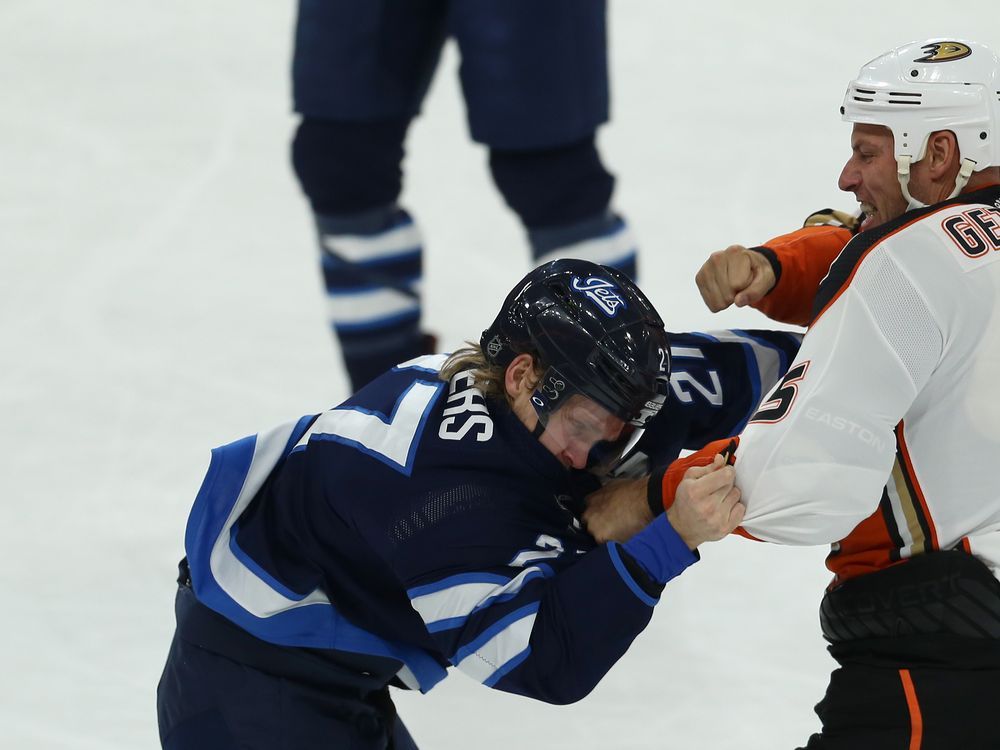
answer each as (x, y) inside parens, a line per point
(707, 505)
(618, 510)
(735, 274)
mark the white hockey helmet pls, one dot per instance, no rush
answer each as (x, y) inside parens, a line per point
(923, 87)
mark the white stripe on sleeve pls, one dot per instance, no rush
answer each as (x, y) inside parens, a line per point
(493, 655)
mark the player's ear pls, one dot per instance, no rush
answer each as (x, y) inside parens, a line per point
(942, 152)
(520, 375)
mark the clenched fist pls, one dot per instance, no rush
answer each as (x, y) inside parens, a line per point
(734, 275)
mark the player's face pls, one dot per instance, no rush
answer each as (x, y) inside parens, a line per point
(573, 429)
(870, 174)
(576, 427)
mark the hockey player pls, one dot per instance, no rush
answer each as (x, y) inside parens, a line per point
(428, 522)
(534, 77)
(880, 438)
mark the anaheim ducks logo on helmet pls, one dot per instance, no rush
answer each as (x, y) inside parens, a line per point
(944, 52)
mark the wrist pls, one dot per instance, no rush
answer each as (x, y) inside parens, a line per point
(687, 537)
(660, 550)
(772, 260)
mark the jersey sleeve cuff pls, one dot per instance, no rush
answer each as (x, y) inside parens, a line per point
(654, 492)
(660, 550)
(772, 258)
(634, 575)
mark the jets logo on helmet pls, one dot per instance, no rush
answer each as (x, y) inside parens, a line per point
(602, 292)
(944, 51)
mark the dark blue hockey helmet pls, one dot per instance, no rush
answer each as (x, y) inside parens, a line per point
(594, 333)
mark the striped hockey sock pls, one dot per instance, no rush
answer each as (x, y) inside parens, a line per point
(371, 266)
(604, 239)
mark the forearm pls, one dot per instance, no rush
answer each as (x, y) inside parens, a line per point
(590, 614)
(800, 260)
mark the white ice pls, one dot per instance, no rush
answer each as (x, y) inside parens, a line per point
(159, 296)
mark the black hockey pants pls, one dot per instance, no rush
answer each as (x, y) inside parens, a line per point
(919, 652)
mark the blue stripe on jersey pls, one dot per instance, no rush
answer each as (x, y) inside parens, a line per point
(510, 666)
(616, 559)
(451, 581)
(258, 571)
(450, 624)
(449, 603)
(497, 628)
(300, 429)
(546, 569)
(224, 583)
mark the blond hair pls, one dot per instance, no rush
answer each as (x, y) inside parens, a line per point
(487, 377)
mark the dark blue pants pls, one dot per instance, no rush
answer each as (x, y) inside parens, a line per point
(206, 701)
(534, 72)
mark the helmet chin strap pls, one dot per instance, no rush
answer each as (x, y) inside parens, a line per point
(903, 175)
(962, 178)
(543, 420)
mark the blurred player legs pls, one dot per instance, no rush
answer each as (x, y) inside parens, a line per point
(534, 78)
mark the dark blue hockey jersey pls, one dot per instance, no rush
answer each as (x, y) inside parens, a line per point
(717, 380)
(422, 525)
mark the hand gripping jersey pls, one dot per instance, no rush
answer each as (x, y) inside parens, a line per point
(895, 381)
(421, 525)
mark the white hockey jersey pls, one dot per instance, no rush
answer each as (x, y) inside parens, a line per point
(884, 436)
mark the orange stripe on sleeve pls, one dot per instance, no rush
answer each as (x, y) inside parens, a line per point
(916, 719)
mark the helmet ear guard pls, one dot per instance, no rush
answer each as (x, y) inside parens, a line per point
(924, 87)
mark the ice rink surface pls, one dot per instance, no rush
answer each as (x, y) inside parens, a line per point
(159, 296)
